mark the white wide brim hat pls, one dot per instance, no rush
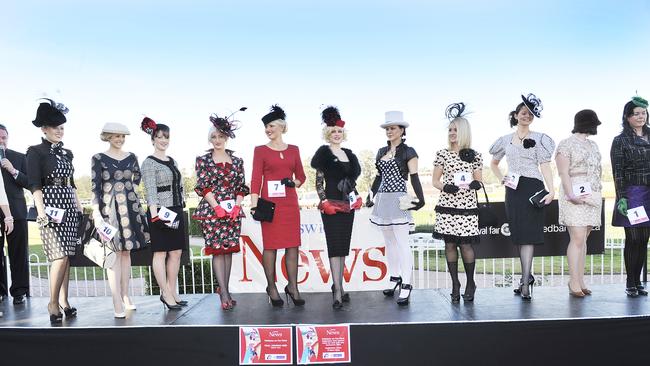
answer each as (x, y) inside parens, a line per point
(394, 118)
(116, 128)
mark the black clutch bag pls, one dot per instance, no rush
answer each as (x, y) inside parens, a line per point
(486, 215)
(31, 214)
(264, 211)
(536, 199)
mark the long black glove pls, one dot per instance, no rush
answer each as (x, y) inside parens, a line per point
(374, 188)
(288, 182)
(417, 188)
(450, 188)
(475, 185)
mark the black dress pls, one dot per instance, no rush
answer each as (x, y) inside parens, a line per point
(334, 181)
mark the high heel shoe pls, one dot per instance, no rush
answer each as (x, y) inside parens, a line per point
(575, 293)
(403, 301)
(56, 318)
(529, 296)
(391, 291)
(345, 297)
(275, 302)
(181, 303)
(336, 304)
(121, 315)
(226, 305)
(631, 292)
(169, 306)
(586, 291)
(469, 294)
(641, 291)
(296, 302)
(531, 282)
(69, 312)
(455, 294)
(130, 307)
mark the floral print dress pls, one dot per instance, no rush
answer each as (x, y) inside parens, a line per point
(226, 181)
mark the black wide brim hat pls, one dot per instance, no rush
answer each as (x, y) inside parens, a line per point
(585, 120)
(533, 103)
(50, 114)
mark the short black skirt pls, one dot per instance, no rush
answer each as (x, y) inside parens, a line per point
(526, 222)
(166, 240)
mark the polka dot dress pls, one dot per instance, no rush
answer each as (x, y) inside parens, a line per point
(60, 240)
(386, 210)
(113, 186)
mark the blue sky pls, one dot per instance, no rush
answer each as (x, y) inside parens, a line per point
(178, 62)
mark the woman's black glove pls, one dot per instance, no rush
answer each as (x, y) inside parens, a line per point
(450, 188)
(159, 223)
(475, 185)
(369, 202)
(417, 188)
(288, 182)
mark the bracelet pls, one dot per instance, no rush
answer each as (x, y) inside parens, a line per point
(42, 220)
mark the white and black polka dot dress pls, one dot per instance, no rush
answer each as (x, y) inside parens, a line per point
(386, 210)
(61, 240)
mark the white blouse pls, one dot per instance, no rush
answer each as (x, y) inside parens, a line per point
(522, 161)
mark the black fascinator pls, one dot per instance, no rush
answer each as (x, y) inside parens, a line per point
(455, 110)
(534, 104)
(275, 114)
(332, 117)
(50, 114)
(226, 125)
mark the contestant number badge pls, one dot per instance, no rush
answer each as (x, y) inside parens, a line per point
(55, 214)
(276, 188)
(637, 215)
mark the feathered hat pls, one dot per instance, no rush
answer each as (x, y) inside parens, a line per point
(50, 114)
(534, 104)
(226, 125)
(455, 110)
(148, 125)
(275, 114)
(332, 117)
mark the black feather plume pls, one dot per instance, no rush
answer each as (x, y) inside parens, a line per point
(330, 115)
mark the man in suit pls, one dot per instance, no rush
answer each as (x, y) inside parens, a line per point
(14, 168)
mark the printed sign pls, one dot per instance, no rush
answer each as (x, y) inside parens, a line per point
(352, 198)
(227, 205)
(511, 180)
(582, 189)
(106, 231)
(55, 214)
(637, 215)
(276, 188)
(265, 346)
(462, 179)
(167, 215)
(322, 344)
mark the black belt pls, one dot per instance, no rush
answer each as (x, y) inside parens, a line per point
(164, 188)
(58, 181)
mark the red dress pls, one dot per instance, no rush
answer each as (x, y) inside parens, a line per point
(272, 165)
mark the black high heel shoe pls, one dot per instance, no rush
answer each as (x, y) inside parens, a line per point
(69, 312)
(56, 318)
(469, 294)
(641, 290)
(181, 303)
(403, 301)
(345, 297)
(632, 291)
(169, 306)
(530, 293)
(296, 302)
(391, 291)
(455, 294)
(531, 282)
(275, 302)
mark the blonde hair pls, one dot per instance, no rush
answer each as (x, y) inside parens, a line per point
(283, 123)
(105, 136)
(463, 133)
(327, 132)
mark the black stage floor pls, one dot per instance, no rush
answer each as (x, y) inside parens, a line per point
(497, 328)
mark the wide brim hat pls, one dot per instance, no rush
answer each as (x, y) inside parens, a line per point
(50, 114)
(116, 128)
(585, 119)
(534, 104)
(394, 118)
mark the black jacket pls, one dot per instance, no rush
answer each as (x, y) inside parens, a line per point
(334, 171)
(14, 187)
(41, 162)
(403, 153)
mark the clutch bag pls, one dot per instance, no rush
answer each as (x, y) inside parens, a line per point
(536, 199)
(264, 211)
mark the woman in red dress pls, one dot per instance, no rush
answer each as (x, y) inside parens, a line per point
(220, 181)
(277, 172)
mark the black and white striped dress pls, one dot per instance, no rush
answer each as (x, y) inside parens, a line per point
(60, 240)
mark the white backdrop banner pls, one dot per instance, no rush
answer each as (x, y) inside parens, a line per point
(365, 266)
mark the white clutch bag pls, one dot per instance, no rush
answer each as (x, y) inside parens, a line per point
(100, 253)
(406, 202)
